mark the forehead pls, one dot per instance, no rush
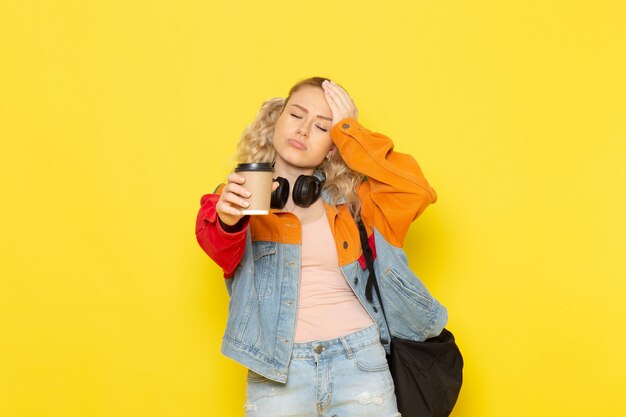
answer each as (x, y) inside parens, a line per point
(312, 98)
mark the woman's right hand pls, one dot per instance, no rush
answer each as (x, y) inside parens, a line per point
(341, 104)
(233, 200)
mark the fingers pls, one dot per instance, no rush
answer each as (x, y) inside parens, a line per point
(339, 101)
(236, 178)
(235, 195)
(332, 94)
(236, 188)
(233, 199)
(339, 95)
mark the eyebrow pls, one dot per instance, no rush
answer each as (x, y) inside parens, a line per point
(306, 111)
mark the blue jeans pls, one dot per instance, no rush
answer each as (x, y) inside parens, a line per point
(343, 377)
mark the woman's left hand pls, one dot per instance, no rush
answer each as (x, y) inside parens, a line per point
(339, 102)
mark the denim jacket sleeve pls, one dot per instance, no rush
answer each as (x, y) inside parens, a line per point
(395, 192)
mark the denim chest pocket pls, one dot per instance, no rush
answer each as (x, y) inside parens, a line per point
(410, 304)
(264, 255)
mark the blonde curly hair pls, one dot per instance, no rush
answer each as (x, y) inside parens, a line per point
(256, 145)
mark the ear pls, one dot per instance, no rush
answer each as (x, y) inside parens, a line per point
(331, 152)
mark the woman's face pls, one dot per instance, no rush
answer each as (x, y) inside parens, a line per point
(302, 131)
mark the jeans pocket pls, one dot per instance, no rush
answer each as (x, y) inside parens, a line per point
(371, 358)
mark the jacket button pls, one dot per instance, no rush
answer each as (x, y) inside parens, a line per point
(345, 126)
(345, 244)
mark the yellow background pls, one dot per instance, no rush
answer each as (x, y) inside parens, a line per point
(116, 116)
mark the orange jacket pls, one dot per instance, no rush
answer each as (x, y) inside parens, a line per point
(393, 195)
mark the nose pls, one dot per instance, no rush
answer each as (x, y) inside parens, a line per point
(303, 130)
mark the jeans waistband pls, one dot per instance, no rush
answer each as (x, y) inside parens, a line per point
(343, 345)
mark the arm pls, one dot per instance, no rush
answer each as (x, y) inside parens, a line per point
(224, 247)
(220, 227)
(395, 191)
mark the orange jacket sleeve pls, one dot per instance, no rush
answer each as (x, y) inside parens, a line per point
(395, 191)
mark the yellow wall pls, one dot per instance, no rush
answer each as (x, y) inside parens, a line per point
(116, 116)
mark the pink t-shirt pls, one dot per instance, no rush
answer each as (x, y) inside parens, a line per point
(327, 307)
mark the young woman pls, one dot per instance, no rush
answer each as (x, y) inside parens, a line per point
(299, 319)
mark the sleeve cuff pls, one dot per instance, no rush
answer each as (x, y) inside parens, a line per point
(237, 229)
(347, 126)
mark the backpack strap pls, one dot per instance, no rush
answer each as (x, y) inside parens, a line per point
(372, 282)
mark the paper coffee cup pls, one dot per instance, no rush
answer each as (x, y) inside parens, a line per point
(259, 178)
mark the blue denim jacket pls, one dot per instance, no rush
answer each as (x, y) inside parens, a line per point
(262, 262)
(264, 303)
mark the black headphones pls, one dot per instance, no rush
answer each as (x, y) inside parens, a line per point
(306, 191)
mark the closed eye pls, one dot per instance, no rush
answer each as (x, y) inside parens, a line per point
(318, 126)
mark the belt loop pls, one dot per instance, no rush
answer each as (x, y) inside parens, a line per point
(346, 346)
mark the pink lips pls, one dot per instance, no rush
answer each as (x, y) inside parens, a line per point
(297, 144)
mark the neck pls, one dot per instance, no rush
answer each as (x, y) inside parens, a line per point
(290, 172)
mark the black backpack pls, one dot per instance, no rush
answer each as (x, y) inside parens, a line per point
(427, 375)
